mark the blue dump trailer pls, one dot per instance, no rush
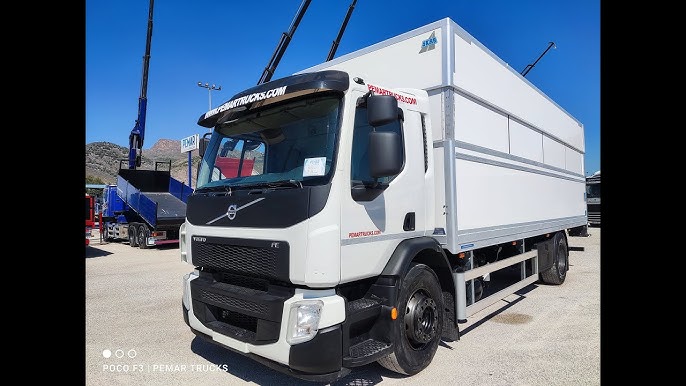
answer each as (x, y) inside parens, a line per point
(145, 207)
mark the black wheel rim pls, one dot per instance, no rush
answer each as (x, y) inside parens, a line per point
(421, 319)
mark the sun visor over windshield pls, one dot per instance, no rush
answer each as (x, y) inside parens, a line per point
(275, 91)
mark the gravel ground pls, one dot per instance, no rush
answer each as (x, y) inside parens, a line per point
(135, 334)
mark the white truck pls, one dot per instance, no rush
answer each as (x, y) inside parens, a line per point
(388, 195)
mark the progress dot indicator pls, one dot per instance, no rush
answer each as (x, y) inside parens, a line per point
(106, 353)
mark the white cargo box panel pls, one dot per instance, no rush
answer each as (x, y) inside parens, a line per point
(509, 159)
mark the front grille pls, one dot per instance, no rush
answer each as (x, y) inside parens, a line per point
(257, 258)
(236, 258)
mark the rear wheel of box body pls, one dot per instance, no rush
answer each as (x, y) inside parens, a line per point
(417, 330)
(133, 238)
(558, 272)
(143, 234)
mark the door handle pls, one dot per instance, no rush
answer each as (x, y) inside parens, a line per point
(408, 224)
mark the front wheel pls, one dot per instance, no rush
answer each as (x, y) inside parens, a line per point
(417, 330)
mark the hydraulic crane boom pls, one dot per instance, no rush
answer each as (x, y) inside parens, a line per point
(138, 132)
(334, 45)
(283, 44)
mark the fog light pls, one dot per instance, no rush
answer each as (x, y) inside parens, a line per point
(303, 322)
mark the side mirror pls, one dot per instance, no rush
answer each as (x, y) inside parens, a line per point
(202, 146)
(381, 109)
(385, 153)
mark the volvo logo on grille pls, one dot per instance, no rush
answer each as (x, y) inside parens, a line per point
(231, 212)
(201, 239)
(233, 209)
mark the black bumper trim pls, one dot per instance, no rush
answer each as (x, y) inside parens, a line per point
(324, 378)
(322, 354)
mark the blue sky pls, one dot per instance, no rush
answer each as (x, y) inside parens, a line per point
(229, 43)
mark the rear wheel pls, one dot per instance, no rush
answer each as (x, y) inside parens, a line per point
(558, 272)
(106, 234)
(133, 237)
(417, 330)
(143, 234)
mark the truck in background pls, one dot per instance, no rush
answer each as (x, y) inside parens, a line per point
(403, 188)
(146, 207)
(593, 198)
(90, 217)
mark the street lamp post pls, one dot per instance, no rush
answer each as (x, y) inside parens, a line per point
(209, 91)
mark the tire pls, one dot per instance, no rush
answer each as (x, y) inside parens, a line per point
(558, 272)
(133, 237)
(417, 330)
(142, 234)
(106, 236)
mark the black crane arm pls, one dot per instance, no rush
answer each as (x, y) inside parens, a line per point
(138, 132)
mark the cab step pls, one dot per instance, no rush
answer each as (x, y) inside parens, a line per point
(366, 351)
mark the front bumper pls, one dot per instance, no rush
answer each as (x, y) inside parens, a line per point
(254, 323)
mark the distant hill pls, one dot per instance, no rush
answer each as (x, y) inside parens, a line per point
(103, 159)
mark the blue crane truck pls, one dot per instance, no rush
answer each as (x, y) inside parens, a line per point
(147, 207)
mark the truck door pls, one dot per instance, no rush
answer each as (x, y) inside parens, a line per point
(373, 225)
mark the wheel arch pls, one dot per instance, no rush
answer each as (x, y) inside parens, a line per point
(424, 250)
(427, 251)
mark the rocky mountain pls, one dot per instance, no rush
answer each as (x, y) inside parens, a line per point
(103, 160)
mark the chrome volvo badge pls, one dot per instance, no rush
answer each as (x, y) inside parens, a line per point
(231, 212)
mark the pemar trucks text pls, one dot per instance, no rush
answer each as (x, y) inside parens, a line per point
(386, 191)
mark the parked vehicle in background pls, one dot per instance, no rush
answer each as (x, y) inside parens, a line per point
(145, 206)
(593, 198)
(90, 217)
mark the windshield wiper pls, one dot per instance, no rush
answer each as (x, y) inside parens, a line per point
(276, 184)
(272, 184)
(225, 188)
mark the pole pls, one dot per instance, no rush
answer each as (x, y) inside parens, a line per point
(209, 92)
(190, 182)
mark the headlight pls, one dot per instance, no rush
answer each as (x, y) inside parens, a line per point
(303, 321)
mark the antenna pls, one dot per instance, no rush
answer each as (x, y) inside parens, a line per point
(530, 66)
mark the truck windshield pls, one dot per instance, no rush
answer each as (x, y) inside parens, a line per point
(287, 146)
